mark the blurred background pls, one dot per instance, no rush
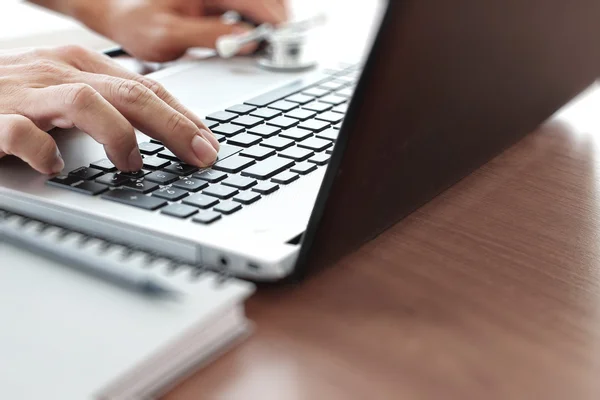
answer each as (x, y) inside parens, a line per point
(349, 28)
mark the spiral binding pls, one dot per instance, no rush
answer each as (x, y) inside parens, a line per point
(127, 250)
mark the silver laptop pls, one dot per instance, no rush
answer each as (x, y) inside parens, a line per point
(313, 165)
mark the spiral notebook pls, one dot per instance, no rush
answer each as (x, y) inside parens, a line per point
(70, 336)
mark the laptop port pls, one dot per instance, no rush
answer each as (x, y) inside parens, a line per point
(253, 266)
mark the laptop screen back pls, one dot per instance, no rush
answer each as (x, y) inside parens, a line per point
(448, 86)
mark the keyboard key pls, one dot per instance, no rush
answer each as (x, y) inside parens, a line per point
(264, 130)
(191, 184)
(266, 113)
(228, 207)
(168, 154)
(338, 126)
(181, 169)
(207, 217)
(265, 188)
(227, 150)
(86, 173)
(228, 129)
(201, 201)
(296, 134)
(329, 151)
(303, 168)
(210, 175)
(133, 198)
(89, 188)
(277, 143)
(155, 162)
(301, 114)
(141, 185)
(244, 140)
(329, 134)
(247, 198)
(316, 92)
(268, 168)
(283, 122)
(258, 152)
(150, 149)
(332, 85)
(239, 182)
(285, 178)
(179, 211)
(209, 124)
(221, 192)
(162, 178)
(299, 98)
(63, 180)
(315, 144)
(170, 193)
(104, 165)
(222, 116)
(314, 125)
(319, 159)
(296, 153)
(331, 117)
(247, 121)
(283, 91)
(233, 164)
(220, 138)
(241, 109)
(346, 92)
(283, 105)
(333, 99)
(318, 107)
(112, 179)
(342, 108)
(346, 78)
(136, 174)
(156, 141)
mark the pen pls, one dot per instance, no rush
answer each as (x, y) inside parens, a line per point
(107, 270)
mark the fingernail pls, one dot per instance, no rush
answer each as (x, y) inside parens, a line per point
(210, 137)
(59, 163)
(135, 159)
(204, 151)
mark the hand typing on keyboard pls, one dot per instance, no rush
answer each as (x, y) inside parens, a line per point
(269, 141)
(71, 86)
(163, 30)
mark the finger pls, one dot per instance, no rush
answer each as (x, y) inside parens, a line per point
(20, 137)
(270, 11)
(106, 66)
(79, 105)
(204, 32)
(150, 114)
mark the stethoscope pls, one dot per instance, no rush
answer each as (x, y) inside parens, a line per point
(286, 47)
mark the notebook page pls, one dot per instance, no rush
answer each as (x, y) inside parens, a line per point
(64, 334)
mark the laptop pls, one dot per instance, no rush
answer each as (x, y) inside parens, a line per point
(312, 167)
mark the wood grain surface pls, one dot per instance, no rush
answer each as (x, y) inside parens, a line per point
(490, 291)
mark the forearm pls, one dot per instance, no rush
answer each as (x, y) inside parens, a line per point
(90, 12)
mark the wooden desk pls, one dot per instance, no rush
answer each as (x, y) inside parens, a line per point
(491, 291)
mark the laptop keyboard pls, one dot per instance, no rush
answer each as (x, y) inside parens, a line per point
(268, 142)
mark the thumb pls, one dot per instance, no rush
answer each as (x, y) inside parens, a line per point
(204, 32)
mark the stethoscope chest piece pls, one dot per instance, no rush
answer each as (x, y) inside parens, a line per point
(287, 46)
(288, 52)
